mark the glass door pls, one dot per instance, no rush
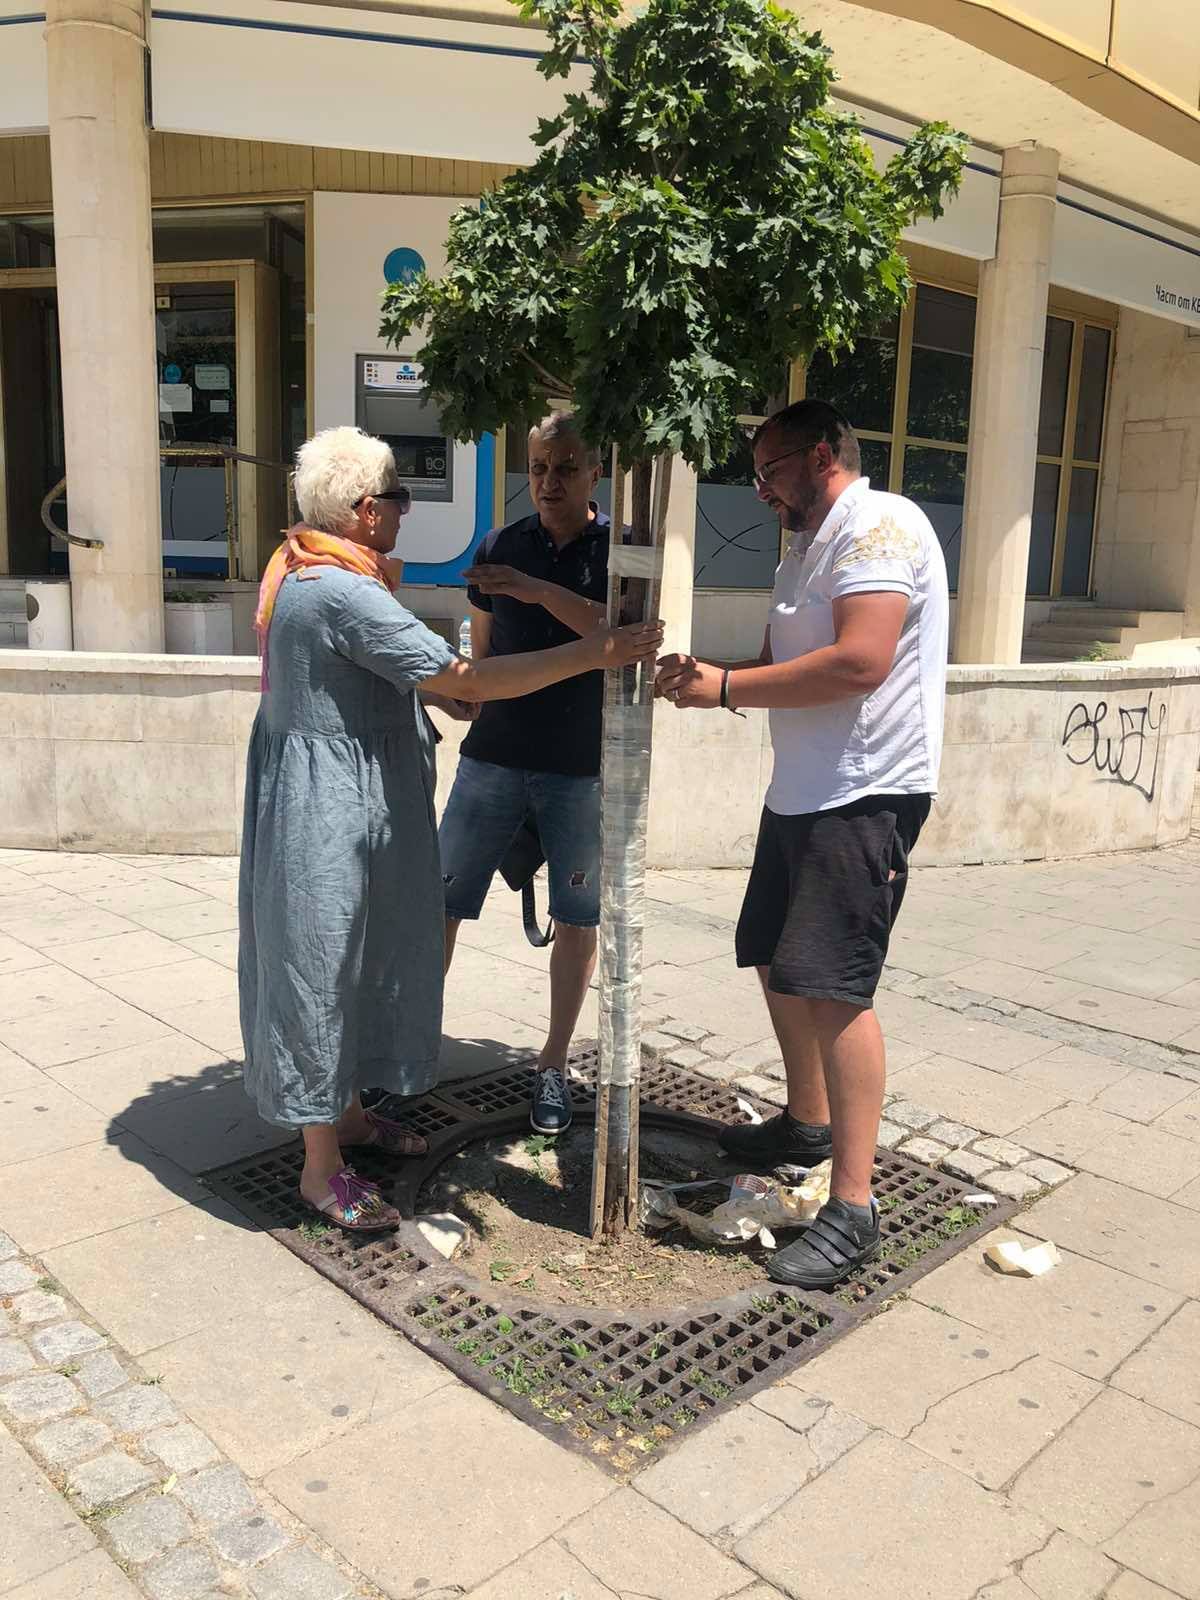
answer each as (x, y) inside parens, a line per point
(196, 336)
(31, 428)
(1075, 374)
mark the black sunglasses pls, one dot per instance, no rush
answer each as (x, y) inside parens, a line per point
(402, 495)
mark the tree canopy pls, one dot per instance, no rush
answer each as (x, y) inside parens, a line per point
(699, 214)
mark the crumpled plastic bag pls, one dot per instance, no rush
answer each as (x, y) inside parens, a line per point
(755, 1207)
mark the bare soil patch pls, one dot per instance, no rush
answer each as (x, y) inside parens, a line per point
(526, 1201)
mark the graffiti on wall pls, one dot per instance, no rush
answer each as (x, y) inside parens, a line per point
(1123, 743)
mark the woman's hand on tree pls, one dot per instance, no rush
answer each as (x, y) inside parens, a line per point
(626, 646)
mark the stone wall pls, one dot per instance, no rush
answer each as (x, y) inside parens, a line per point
(1148, 526)
(146, 753)
(125, 753)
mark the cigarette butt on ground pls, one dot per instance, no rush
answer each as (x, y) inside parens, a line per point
(1022, 1261)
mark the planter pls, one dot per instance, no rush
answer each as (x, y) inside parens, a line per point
(199, 628)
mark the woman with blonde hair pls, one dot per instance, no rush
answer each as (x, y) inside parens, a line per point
(341, 915)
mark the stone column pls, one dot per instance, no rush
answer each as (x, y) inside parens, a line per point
(1010, 333)
(100, 165)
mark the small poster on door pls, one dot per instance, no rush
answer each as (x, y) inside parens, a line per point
(219, 407)
(212, 376)
(174, 397)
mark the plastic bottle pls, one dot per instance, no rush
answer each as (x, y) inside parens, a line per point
(464, 638)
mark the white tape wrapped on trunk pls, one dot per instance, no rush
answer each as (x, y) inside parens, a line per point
(626, 776)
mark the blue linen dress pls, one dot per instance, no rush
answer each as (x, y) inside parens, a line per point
(340, 904)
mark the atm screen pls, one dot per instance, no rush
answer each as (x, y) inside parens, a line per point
(418, 461)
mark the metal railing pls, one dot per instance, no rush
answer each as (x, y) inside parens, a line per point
(197, 455)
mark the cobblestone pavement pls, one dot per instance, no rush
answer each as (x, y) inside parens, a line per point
(187, 1411)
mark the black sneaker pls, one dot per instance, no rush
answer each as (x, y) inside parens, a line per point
(779, 1142)
(834, 1244)
(550, 1102)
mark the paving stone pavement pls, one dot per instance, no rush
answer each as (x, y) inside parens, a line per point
(186, 1412)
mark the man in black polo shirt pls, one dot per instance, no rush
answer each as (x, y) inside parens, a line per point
(537, 583)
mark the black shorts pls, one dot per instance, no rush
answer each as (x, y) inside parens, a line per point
(824, 895)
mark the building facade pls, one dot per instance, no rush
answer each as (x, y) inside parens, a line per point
(200, 207)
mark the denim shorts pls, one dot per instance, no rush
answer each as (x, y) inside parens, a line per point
(483, 815)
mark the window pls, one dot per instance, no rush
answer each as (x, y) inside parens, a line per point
(1070, 437)
(907, 390)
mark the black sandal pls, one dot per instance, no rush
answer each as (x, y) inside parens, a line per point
(834, 1245)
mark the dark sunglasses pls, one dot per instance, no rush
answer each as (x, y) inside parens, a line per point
(402, 495)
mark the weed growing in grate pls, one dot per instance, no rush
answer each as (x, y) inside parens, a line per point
(625, 1401)
(579, 1351)
(956, 1220)
(519, 1377)
(311, 1230)
(707, 1384)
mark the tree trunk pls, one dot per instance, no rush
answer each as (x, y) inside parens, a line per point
(635, 581)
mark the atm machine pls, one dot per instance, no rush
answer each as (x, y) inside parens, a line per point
(390, 401)
(450, 483)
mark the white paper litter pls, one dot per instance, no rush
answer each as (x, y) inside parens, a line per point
(748, 1110)
(980, 1200)
(444, 1231)
(1022, 1261)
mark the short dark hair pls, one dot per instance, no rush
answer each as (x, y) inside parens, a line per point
(815, 422)
(565, 425)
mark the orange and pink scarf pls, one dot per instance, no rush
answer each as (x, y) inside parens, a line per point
(301, 548)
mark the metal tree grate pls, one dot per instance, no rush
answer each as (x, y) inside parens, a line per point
(501, 1093)
(620, 1386)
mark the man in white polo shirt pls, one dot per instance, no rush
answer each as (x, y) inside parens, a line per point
(853, 669)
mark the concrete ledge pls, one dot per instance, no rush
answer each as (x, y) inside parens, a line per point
(147, 753)
(1119, 672)
(81, 662)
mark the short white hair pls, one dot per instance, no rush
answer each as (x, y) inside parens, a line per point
(336, 468)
